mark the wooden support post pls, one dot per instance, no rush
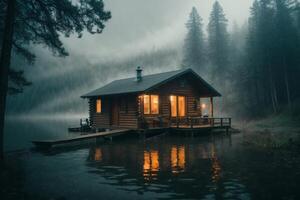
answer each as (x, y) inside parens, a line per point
(229, 122)
(221, 122)
(211, 107)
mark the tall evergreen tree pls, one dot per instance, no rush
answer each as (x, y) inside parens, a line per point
(253, 62)
(218, 40)
(272, 61)
(194, 42)
(286, 49)
(29, 22)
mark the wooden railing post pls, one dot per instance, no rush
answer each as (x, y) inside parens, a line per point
(221, 122)
(177, 121)
(229, 122)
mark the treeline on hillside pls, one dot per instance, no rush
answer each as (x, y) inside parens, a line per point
(59, 90)
(256, 67)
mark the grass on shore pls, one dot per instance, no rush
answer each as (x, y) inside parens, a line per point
(280, 131)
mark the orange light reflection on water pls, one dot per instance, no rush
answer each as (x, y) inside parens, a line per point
(98, 154)
(151, 165)
(216, 167)
(177, 159)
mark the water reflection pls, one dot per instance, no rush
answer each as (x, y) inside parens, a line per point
(168, 167)
(98, 154)
(171, 165)
(178, 159)
(151, 165)
(216, 167)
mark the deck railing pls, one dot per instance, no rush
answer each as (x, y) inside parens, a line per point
(192, 122)
(184, 122)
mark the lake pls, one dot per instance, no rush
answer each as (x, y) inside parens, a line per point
(161, 167)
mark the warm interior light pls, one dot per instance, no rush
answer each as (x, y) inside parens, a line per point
(181, 106)
(146, 104)
(154, 104)
(173, 100)
(98, 106)
(151, 104)
(203, 105)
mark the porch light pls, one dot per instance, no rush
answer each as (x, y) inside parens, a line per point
(203, 106)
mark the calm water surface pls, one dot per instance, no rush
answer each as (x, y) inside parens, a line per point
(164, 167)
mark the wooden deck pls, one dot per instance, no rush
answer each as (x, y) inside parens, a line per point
(189, 124)
(200, 123)
(106, 134)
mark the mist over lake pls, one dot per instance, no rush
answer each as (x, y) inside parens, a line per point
(137, 99)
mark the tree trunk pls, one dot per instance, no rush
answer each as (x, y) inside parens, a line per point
(4, 66)
(272, 90)
(287, 87)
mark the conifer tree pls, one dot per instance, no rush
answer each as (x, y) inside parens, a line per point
(194, 42)
(218, 40)
(27, 22)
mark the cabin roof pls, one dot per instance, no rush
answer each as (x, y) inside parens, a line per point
(148, 82)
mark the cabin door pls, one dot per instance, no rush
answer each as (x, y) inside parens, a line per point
(114, 120)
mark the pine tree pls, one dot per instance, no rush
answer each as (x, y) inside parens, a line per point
(194, 42)
(287, 44)
(253, 61)
(218, 41)
(41, 22)
(272, 59)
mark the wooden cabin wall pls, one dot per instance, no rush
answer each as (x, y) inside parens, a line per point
(99, 120)
(128, 112)
(181, 87)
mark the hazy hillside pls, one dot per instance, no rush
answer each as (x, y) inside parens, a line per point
(59, 90)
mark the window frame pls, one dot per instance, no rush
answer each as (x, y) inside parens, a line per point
(100, 108)
(177, 105)
(150, 104)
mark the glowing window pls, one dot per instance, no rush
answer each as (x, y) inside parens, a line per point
(146, 104)
(98, 106)
(178, 106)
(181, 106)
(154, 104)
(151, 104)
(173, 100)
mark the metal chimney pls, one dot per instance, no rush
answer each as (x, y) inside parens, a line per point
(138, 74)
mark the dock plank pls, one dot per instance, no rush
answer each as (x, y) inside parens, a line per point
(49, 143)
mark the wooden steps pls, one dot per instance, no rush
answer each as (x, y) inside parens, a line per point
(106, 134)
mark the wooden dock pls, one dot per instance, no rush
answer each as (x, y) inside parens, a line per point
(192, 125)
(106, 134)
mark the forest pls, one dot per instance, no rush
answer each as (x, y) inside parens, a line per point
(256, 66)
(52, 52)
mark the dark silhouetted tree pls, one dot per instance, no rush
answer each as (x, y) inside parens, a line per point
(27, 22)
(271, 67)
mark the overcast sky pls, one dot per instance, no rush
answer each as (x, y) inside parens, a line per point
(142, 25)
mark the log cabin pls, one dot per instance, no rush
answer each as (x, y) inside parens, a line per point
(156, 100)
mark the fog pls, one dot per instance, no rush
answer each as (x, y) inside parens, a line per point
(140, 32)
(141, 25)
